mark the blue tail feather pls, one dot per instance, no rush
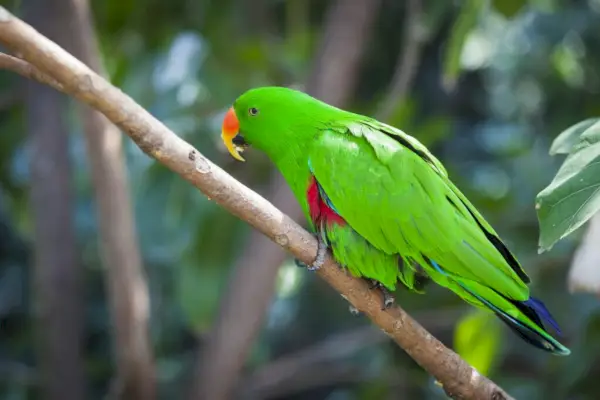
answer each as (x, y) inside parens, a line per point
(541, 310)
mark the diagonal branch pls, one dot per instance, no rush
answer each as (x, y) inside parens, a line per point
(458, 378)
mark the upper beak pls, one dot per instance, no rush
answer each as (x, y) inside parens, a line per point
(229, 131)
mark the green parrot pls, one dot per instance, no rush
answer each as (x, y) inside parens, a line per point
(384, 205)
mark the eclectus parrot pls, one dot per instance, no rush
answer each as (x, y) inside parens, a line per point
(384, 205)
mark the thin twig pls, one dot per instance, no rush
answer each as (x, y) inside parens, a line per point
(26, 70)
(414, 37)
(280, 372)
(458, 378)
(277, 374)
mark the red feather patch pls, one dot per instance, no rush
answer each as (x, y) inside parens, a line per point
(318, 208)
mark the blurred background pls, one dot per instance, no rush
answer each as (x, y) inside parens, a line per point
(120, 280)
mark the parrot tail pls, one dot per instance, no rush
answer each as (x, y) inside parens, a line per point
(531, 328)
(527, 321)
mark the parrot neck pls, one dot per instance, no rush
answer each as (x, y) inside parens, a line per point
(292, 162)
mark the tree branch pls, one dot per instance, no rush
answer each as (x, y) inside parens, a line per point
(251, 287)
(26, 70)
(277, 374)
(408, 60)
(458, 378)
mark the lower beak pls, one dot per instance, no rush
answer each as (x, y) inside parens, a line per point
(234, 147)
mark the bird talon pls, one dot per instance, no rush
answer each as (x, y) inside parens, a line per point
(320, 258)
(313, 267)
(388, 299)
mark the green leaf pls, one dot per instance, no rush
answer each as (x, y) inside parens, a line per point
(508, 8)
(477, 339)
(573, 196)
(567, 139)
(460, 31)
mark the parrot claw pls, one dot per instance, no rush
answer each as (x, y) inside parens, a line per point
(388, 299)
(320, 258)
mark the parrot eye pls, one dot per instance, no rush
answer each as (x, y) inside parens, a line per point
(253, 111)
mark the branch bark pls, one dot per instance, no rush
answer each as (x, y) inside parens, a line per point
(119, 251)
(458, 378)
(57, 279)
(252, 284)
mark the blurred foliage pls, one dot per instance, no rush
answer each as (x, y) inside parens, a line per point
(477, 338)
(463, 26)
(522, 72)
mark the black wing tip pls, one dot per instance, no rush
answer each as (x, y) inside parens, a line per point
(533, 338)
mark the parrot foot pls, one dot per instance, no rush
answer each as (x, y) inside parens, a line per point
(320, 258)
(388, 298)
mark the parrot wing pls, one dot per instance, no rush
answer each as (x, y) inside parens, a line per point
(397, 195)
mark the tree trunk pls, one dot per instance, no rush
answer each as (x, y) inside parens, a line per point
(57, 273)
(120, 254)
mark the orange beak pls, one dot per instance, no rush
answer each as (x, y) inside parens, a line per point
(229, 130)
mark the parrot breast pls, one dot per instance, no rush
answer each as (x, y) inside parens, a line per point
(320, 207)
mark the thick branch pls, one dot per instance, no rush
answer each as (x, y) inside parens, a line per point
(458, 378)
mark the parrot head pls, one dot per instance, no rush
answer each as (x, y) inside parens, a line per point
(271, 119)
